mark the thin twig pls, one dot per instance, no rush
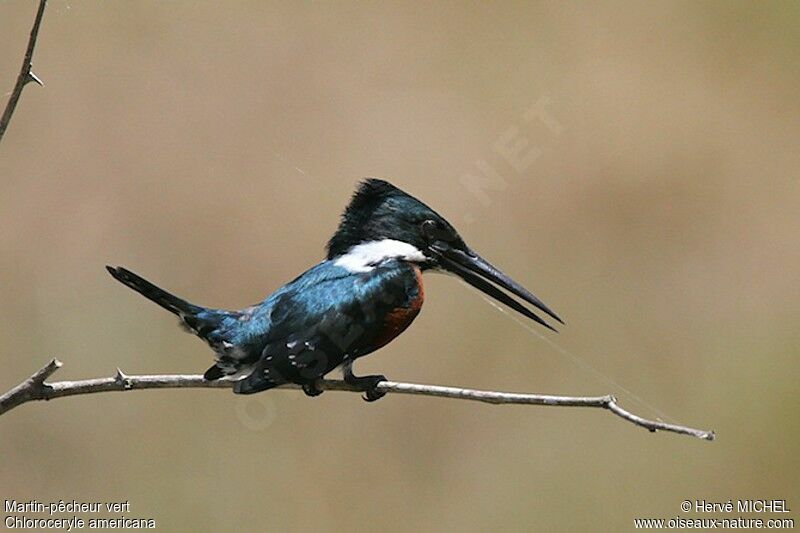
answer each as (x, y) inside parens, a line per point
(35, 388)
(26, 75)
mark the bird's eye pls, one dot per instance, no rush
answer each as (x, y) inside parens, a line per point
(435, 231)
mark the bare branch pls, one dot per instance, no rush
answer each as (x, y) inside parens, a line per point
(35, 388)
(26, 75)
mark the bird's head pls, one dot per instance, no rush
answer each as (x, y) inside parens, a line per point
(382, 222)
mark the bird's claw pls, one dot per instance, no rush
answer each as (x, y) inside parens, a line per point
(311, 389)
(366, 384)
(372, 395)
(371, 391)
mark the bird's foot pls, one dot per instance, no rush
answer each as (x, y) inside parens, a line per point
(368, 384)
(312, 389)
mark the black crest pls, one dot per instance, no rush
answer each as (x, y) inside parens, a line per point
(371, 194)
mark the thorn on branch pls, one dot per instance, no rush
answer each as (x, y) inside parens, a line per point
(34, 78)
(123, 380)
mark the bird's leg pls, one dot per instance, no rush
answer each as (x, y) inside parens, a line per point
(368, 384)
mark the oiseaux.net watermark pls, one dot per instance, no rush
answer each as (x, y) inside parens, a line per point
(730, 514)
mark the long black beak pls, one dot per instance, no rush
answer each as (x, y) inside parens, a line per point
(475, 270)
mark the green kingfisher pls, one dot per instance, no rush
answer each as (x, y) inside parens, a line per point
(365, 293)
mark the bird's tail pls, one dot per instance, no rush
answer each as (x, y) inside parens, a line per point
(166, 300)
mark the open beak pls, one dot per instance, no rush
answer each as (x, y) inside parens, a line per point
(475, 270)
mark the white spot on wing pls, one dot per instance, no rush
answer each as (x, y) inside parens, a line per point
(239, 374)
(364, 257)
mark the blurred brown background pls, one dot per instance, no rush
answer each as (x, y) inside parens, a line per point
(212, 149)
